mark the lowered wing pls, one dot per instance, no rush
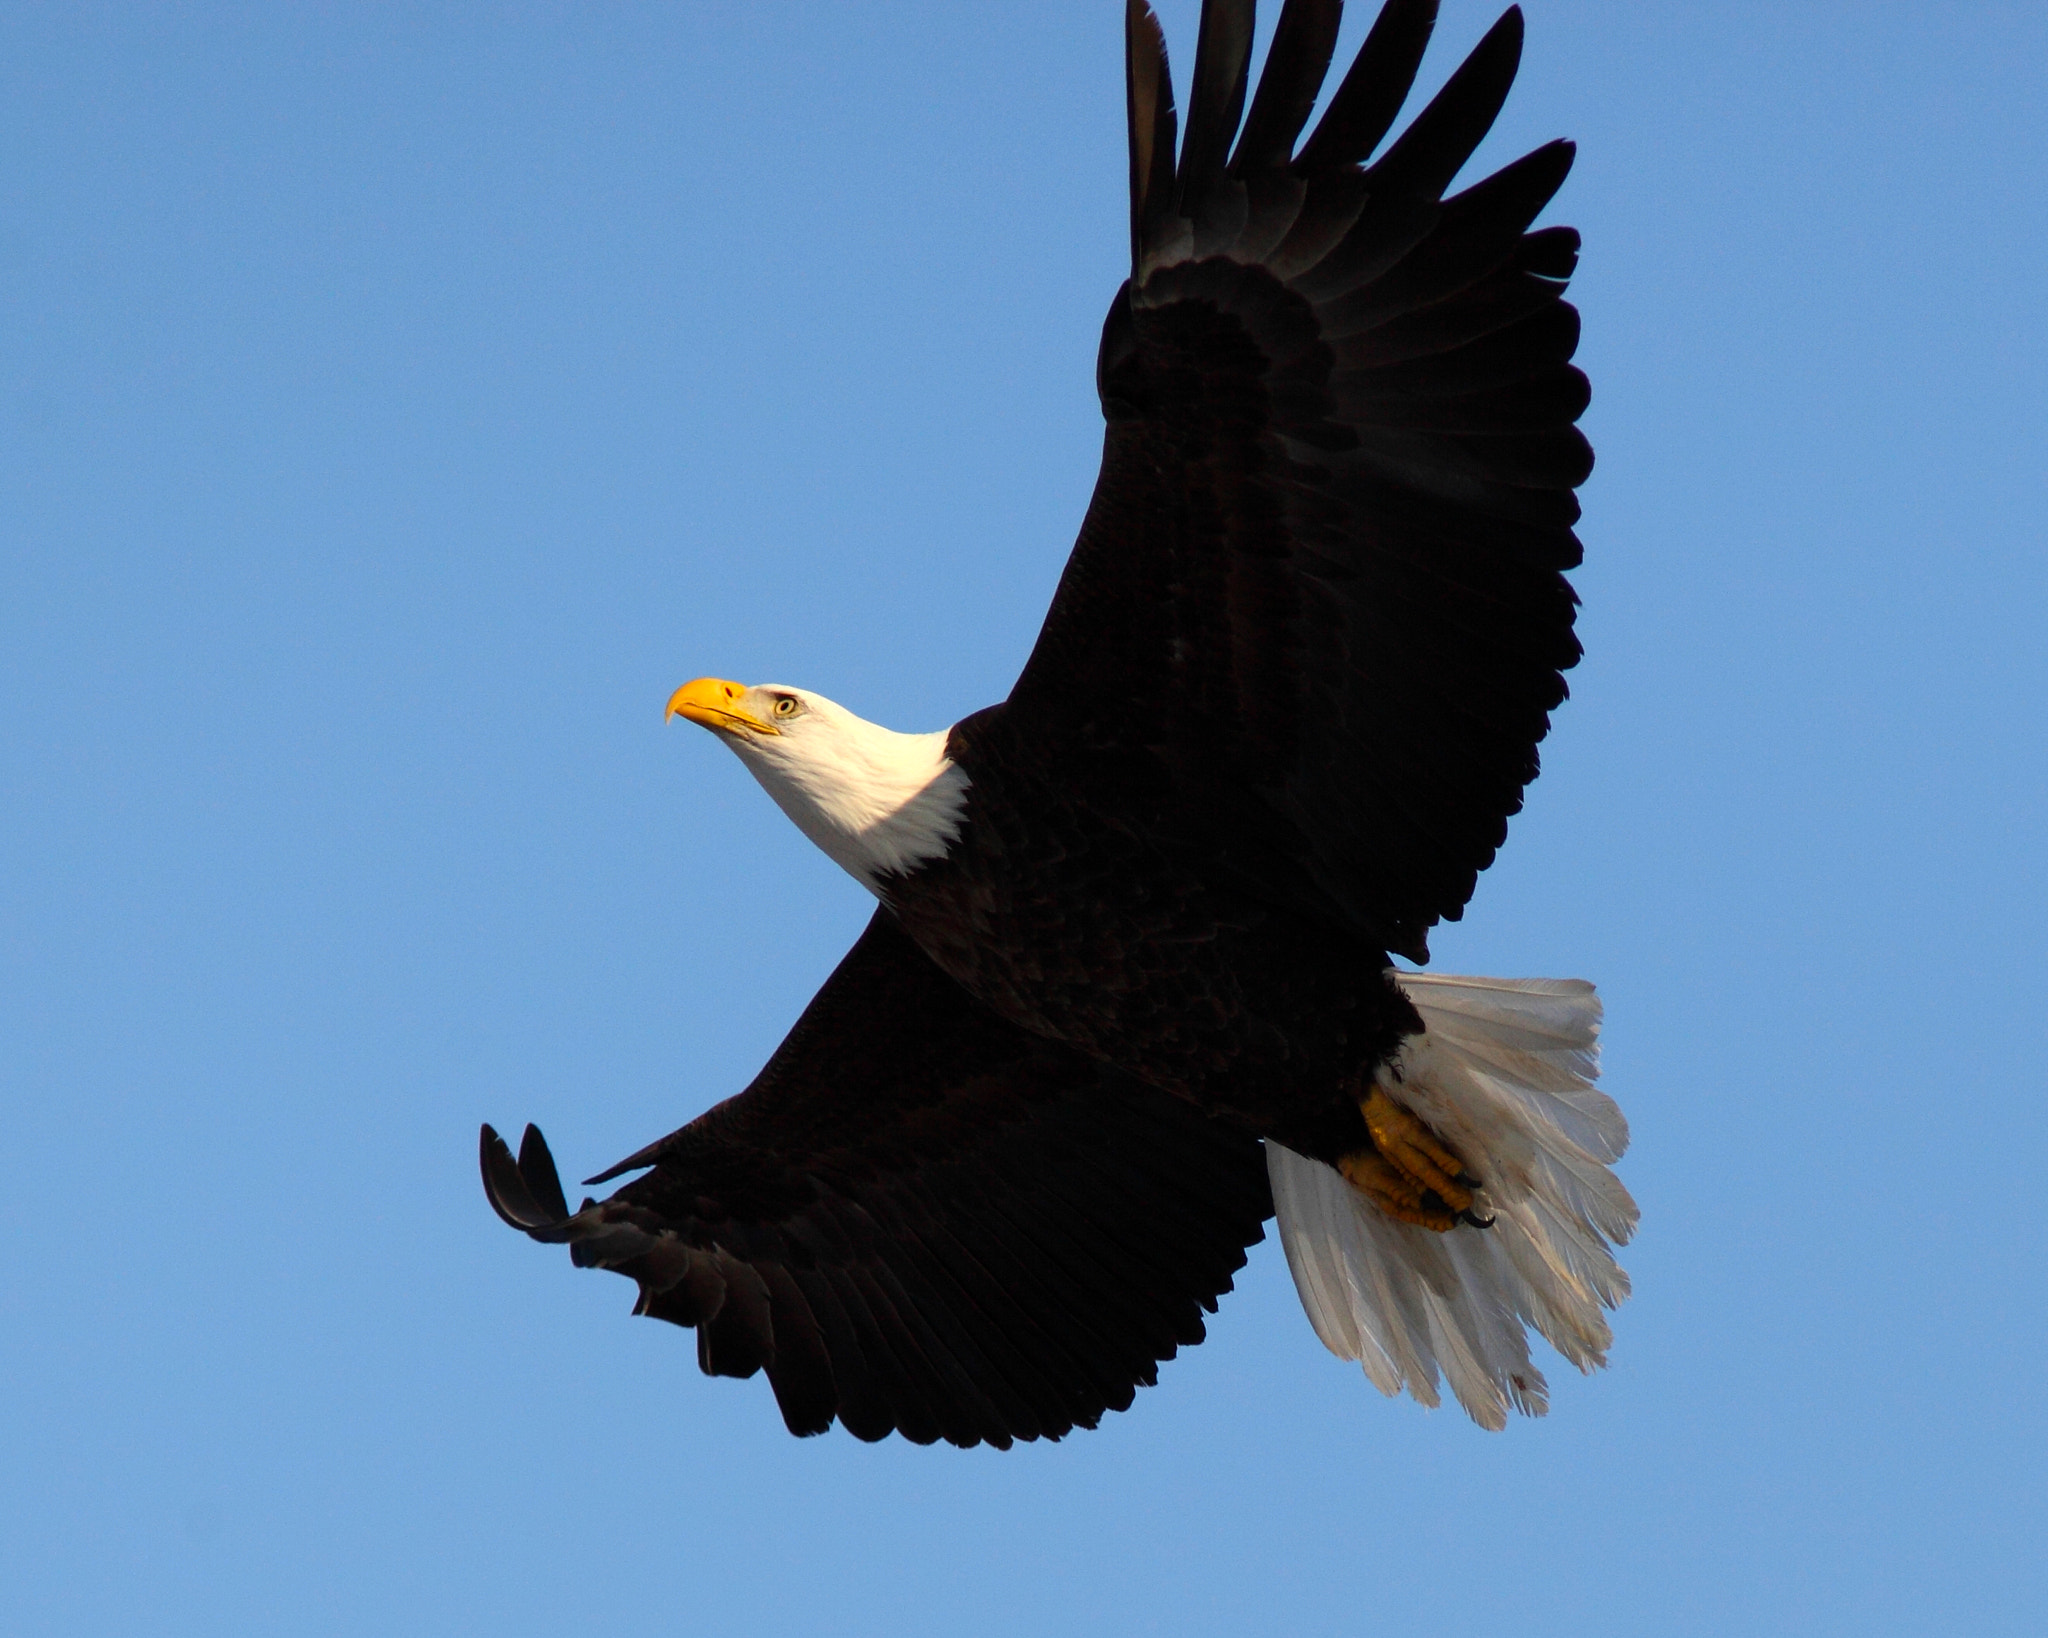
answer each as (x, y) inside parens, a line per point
(1316, 618)
(921, 1219)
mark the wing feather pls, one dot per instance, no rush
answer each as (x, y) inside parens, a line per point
(1304, 40)
(1372, 90)
(1315, 622)
(921, 1219)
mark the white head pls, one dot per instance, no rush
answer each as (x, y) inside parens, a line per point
(876, 801)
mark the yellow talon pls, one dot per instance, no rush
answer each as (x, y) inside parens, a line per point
(1406, 1165)
(1394, 1191)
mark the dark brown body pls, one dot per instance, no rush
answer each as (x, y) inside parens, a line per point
(1074, 920)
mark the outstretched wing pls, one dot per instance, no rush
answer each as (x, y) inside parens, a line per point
(1316, 620)
(921, 1219)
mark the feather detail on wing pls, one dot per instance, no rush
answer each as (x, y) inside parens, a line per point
(920, 1218)
(1315, 621)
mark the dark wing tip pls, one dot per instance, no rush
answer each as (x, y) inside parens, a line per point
(639, 1160)
(1362, 109)
(525, 1192)
(537, 1166)
(1304, 41)
(1148, 94)
(1442, 137)
(1215, 99)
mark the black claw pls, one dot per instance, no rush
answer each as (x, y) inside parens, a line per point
(1472, 1217)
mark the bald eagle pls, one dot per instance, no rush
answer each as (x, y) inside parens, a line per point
(1127, 991)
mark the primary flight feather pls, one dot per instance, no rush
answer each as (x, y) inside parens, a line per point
(1127, 990)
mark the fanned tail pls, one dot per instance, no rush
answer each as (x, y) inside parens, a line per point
(1504, 1073)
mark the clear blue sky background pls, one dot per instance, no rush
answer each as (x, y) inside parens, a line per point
(397, 403)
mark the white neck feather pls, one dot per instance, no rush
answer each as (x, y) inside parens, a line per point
(878, 803)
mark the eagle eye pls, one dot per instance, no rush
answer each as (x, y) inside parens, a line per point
(787, 706)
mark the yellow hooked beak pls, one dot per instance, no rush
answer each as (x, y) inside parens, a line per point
(712, 702)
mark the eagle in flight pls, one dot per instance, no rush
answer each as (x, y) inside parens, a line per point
(1127, 991)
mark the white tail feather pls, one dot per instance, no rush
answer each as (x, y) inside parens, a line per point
(1503, 1072)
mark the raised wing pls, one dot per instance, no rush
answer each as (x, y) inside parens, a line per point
(921, 1219)
(1316, 619)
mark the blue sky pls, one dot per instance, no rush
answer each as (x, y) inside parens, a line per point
(395, 405)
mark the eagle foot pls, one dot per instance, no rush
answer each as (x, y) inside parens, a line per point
(1408, 1172)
